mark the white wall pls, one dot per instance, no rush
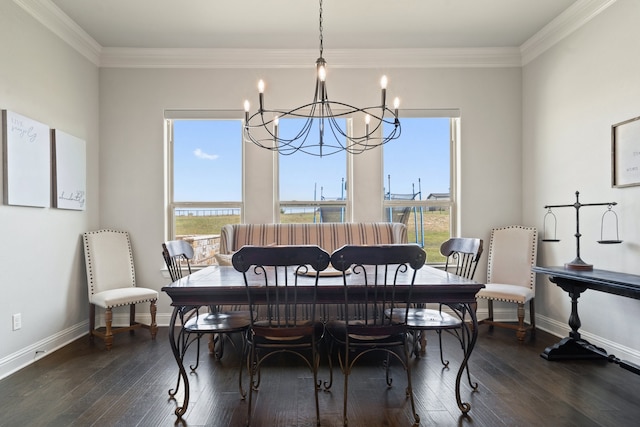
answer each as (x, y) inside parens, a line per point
(131, 153)
(41, 261)
(572, 95)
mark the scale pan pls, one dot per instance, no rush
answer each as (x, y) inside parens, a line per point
(550, 240)
(609, 242)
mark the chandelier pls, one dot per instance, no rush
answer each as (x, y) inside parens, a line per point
(261, 127)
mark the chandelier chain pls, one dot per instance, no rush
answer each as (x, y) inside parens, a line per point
(320, 26)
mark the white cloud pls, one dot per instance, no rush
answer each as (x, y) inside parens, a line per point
(202, 155)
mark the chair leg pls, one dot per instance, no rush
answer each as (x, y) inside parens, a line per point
(346, 371)
(416, 336)
(522, 331)
(153, 327)
(490, 307)
(409, 391)
(445, 363)
(132, 317)
(92, 322)
(315, 355)
(423, 343)
(243, 359)
(220, 353)
(212, 343)
(327, 384)
(250, 366)
(192, 367)
(108, 335)
(387, 364)
(532, 314)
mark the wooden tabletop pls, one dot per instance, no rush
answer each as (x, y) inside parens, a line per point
(224, 285)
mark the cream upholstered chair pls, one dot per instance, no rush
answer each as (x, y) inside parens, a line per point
(512, 255)
(111, 281)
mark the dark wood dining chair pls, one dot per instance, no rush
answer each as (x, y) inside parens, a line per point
(177, 254)
(369, 329)
(282, 325)
(462, 256)
(200, 321)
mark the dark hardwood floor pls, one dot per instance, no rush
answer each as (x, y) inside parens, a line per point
(84, 385)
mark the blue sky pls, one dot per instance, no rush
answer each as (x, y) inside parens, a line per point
(208, 163)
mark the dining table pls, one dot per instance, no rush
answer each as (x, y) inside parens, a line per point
(223, 285)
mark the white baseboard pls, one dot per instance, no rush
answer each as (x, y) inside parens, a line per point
(30, 354)
(562, 329)
(612, 348)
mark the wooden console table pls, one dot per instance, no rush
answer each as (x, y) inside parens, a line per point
(574, 282)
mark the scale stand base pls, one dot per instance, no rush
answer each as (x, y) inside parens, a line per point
(578, 264)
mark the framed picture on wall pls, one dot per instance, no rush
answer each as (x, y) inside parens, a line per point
(625, 153)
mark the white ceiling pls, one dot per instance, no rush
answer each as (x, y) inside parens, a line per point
(293, 24)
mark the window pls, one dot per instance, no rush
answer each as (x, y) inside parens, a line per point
(312, 189)
(205, 157)
(205, 176)
(417, 181)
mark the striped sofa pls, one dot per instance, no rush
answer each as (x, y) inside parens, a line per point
(329, 236)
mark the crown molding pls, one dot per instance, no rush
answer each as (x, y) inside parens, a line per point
(305, 58)
(47, 13)
(563, 25)
(50, 15)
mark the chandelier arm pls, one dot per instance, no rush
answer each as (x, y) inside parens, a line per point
(346, 110)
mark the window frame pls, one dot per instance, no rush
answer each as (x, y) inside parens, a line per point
(171, 205)
(450, 204)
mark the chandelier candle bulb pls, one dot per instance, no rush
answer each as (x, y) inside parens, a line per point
(396, 104)
(261, 93)
(383, 85)
(247, 107)
(322, 73)
(367, 119)
(322, 76)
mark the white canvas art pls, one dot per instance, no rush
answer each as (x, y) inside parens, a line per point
(27, 161)
(69, 165)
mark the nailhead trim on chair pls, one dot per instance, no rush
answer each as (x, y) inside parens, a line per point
(532, 275)
(88, 258)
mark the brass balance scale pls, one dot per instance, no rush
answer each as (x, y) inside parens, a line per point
(609, 215)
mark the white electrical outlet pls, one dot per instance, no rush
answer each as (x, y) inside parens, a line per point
(17, 321)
